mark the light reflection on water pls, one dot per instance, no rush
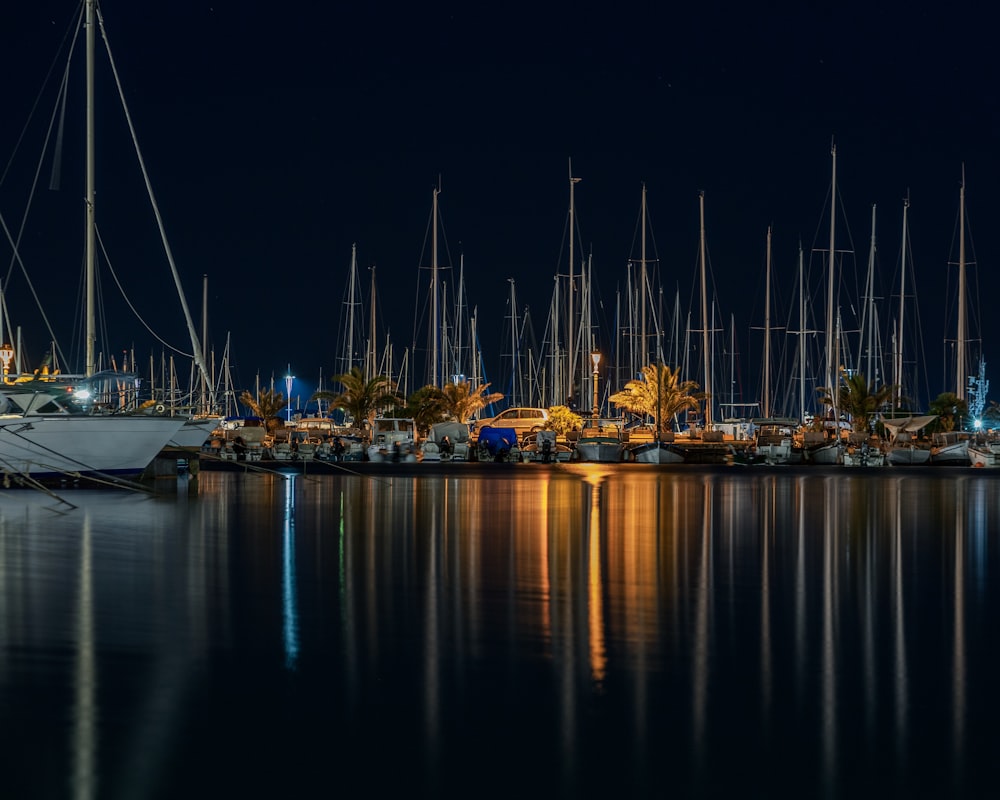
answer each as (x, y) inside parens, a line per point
(593, 629)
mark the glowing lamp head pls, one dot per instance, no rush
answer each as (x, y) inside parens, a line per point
(82, 394)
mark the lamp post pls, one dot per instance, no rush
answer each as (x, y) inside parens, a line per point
(288, 391)
(6, 356)
(596, 358)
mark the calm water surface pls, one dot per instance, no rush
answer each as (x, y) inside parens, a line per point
(583, 631)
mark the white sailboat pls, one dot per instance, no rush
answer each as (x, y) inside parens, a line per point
(905, 447)
(52, 428)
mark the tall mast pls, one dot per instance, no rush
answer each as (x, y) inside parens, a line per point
(459, 316)
(802, 344)
(902, 295)
(515, 395)
(960, 378)
(373, 357)
(704, 317)
(644, 349)
(767, 331)
(570, 332)
(868, 334)
(351, 293)
(434, 293)
(204, 343)
(91, 255)
(732, 366)
(831, 371)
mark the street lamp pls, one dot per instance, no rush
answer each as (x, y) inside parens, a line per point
(596, 358)
(288, 391)
(6, 356)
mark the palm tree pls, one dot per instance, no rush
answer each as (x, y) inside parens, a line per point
(425, 407)
(361, 399)
(463, 401)
(859, 399)
(950, 409)
(268, 405)
(659, 394)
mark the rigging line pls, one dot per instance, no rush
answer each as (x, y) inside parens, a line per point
(74, 26)
(134, 310)
(16, 257)
(31, 286)
(195, 342)
(33, 483)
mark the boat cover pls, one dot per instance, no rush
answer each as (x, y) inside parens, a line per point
(455, 431)
(497, 439)
(908, 424)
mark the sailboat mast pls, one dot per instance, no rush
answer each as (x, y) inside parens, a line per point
(515, 396)
(370, 372)
(460, 317)
(831, 372)
(570, 332)
(960, 377)
(902, 295)
(870, 309)
(351, 293)
(704, 316)
(802, 344)
(767, 331)
(732, 366)
(91, 254)
(644, 349)
(434, 293)
(204, 339)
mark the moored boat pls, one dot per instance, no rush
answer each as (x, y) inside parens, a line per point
(905, 447)
(601, 441)
(393, 439)
(950, 448)
(446, 441)
(984, 453)
(775, 442)
(656, 448)
(47, 433)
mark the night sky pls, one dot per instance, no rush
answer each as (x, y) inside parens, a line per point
(277, 135)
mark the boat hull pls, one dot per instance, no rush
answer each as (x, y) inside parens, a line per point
(905, 456)
(826, 454)
(59, 446)
(988, 457)
(193, 434)
(952, 455)
(602, 451)
(657, 453)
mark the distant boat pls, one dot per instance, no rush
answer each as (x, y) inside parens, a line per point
(447, 441)
(950, 448)
(775, 440)
(601, 441)
(195, 431)
(659, 449)
(904, 446)
(393, 439)
(984, 453)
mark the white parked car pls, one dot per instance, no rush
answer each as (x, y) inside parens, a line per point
(522, 420)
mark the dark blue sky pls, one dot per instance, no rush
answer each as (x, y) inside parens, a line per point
(278, 135)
